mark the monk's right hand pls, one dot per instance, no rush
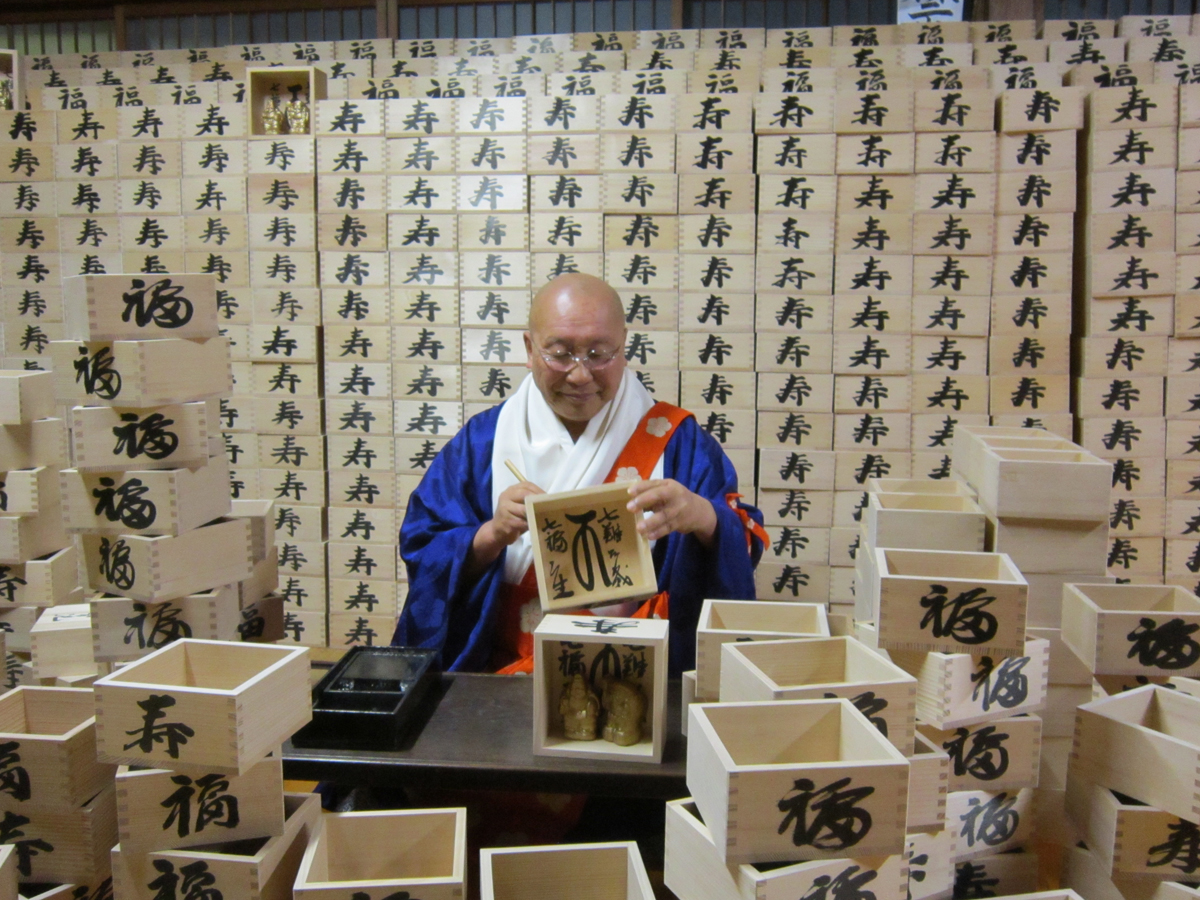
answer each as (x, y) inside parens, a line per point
(506, 525)
(508, 521)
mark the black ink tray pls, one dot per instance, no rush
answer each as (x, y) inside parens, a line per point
(368, 698)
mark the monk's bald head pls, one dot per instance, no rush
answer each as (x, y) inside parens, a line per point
(574, 342)
(574, 296)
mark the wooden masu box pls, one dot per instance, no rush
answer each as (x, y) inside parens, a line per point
(693, 869)
(421, 851)
(211, 704)
(612, 871)
(754, 769)
(586, 548)
(599, 648)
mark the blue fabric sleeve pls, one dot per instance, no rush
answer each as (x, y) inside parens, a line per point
(445, 610)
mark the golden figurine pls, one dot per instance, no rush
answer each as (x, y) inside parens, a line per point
(6, 93)
(272, 116)
(297, 112)
(624, 709)
(579, 709)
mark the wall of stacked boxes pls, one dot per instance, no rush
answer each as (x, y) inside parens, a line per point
(835, 246)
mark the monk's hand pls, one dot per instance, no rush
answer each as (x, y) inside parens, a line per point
(673, 508)
(508, 521)
(505, 526)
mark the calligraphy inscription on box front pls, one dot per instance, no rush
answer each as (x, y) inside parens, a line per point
(586, 548)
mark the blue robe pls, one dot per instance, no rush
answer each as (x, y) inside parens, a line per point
(448, 611)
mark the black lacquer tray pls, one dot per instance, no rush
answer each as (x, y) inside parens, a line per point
(368, 698)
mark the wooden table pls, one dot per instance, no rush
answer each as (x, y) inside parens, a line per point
(475, 733)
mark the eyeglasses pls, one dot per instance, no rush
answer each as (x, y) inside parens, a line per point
(594, 360)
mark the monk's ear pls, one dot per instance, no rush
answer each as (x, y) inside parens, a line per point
(528, 350)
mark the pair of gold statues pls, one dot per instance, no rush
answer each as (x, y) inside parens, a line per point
(293, 115)
(623, 705)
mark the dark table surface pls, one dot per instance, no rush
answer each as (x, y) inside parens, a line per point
(475, 732)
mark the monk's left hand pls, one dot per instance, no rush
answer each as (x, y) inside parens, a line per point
(673, 508)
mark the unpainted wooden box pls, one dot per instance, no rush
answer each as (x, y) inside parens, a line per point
(139, 372)
(1116, 736)
(922, 521)
(423, 851)
(928, 778)
(42, 442)
(1044, 546)
(956, 689)
(165, 809)
(816, 668)
(124, 629)
(599, 648)
(148, 502)
(136, 307)
(693, 870)
(26, 492)
(611, 870)
(970, 442)
(722, 621)
(949, 602)
(246, 870)
(28, 537)
(1132, 629)
(49, 736)
(211, 704)
(61, 642)
(754, 769)
(1044, 484)
(25, 396)
(996, 755)
(164, 567)
(919, 486)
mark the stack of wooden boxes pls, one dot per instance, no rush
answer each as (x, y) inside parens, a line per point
(1179, 474)
(1128, 287)
(1122, 636)
(148, 493)
(196, 729)
(1130, 791)
(39, 566)
(57, 802)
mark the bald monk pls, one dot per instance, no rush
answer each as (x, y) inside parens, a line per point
(578, 419)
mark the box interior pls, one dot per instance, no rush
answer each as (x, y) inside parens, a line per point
(1046, 456)
(1140, 597)
(45, 712)
(597, 660)
(593, 873)
(1172, 715)
(382, 847)
(1029, 443)
(217, 666)
(925, 564)
(786, 618)
(779, 734)
(918, 486)
(934, 502)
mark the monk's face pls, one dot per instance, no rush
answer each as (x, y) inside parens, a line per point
(578, 316)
